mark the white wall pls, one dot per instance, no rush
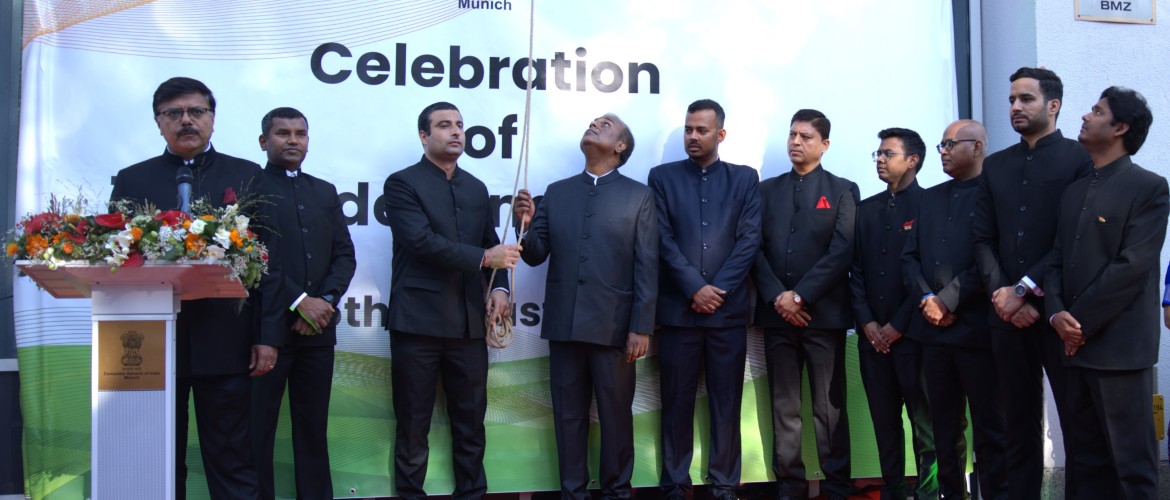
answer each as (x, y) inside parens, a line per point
(1088, 56)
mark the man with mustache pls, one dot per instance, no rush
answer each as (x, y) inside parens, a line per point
(598, 231)
(445, 247)
(709, 233)
(889, 353)
(317, 264)
(217, 342)
(1015, 222)
(1103, 294)
(802, 278)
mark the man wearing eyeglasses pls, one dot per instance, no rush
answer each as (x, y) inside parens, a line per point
(890, 354)
(217, 343)
(951, 319)
(1015, 223)
(802, 278)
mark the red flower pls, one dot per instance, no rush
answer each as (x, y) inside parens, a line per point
(229, 196)
(37, 222)
(134, 260)
(78, 235)
(116, 221)
(172, 218)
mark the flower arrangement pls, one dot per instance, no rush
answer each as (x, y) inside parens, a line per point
(130, 236)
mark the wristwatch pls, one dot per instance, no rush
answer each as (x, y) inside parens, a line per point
(796, 297)
(1021, 289)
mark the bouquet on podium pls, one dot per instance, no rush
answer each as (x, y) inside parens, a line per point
(129, 236)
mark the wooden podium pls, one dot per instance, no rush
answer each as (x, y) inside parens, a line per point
(132, 376)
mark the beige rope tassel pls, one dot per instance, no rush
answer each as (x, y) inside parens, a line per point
(499, 327)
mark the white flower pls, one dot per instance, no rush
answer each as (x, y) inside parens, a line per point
(223, 237)
(215, 252)
(229, 211)
(197, 226)
(242, 224)
(165, 233)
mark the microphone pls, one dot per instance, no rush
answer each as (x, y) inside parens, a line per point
(184, 177)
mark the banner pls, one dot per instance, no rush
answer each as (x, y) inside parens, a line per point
(361, 72)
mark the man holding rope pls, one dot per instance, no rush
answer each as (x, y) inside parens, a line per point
(445, 246)
(599, 232)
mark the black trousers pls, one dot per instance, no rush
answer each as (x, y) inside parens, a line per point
(416, 366)
(680, 353)
(1112, 419)
(578, 371)
(308, 373)
(223, 414)
(787, 351)
(892, 381)
(956, 377)
(1022, 356)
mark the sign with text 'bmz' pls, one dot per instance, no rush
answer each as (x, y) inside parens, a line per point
(1113, 11)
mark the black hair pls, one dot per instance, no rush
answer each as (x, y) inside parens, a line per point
(287, 113)
(1130, 107)
(424, 118)
(703, 104)
(181, 86)
(814, 118)
(911, 142)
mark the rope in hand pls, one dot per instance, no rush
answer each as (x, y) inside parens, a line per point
(499, 326)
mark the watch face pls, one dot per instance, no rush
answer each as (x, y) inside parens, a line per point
(1021, 290)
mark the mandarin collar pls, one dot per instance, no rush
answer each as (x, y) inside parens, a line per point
(605, 179)
(199, 160)
(1047, 140)
(434, 169)
(693, 166)
(279, 170)
(1113, 167)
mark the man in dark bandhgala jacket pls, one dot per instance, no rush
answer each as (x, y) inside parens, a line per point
(951, 321)
(708, 233)
(1103, 299)
(445, 247)
(890, 355)
(802, 278)
(218, 342)
(598, 231)
(1015, 221)
(317, 263)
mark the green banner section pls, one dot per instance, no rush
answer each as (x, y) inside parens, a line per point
(521, 449)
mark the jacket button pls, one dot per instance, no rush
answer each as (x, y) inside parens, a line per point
(582, 258)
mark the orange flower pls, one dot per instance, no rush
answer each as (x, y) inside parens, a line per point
(194, 243)
(67, 247)
(235, 237)
(12, 249)
(36, 244)
(186, 224)
(72, 218)
(57, 238)
(207, 217)
(136, 233)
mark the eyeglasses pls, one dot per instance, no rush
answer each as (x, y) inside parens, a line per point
(950, 143)
(175, 114)
(886, 153)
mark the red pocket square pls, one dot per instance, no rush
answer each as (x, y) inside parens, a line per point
(229, 196)
(823, 203)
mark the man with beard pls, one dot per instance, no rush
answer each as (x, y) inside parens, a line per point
(217, 342)
(940, 272)
(1015, 222)
(445, 247)
(708, 233)
(1103, 296)
(890, 355)
(598, 231)
(317, 264)
(802, 278)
